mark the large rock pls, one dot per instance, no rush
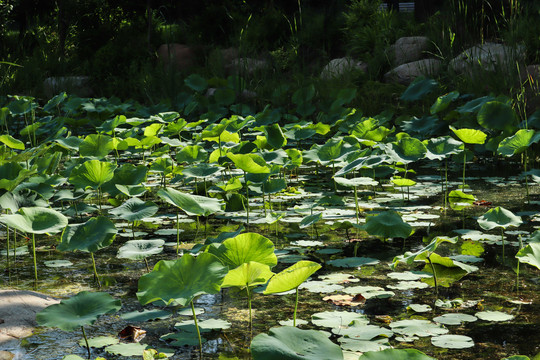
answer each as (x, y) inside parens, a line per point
(76, 85)
(176, 56)
(18, 310)
(340, 67)
(246, 66)
(488, 56)
(408, 49)
(406, 73)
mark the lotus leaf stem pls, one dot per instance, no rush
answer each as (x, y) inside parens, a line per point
(86, 341)
(502, 239)
(197, 328)
(247, 197)
(96, 276)
(464, 162)
(295, 307)
(146, 263)
(35, 261)
(250, 316)
(177, 233)
(434, 276)
(356, 205)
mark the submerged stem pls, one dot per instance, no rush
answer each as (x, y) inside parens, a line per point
(96, 276)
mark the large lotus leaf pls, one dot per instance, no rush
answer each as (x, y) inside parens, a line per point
(191, 153)
(244, 248)
(419, 88)
(291, 343)
(36, 220)
(310, 220)
(443, 102)
(518, 143)
(135, 209)
(474, 105)
(81, 309)
(417, 327)
(395, 354)
(406, 150)
(387, 224)
(423, 127)
(196, 82)
(354, 182)
(96, 146)
(191, 204)
(530, 254)
(248, 274)
(250, 163)
(442, 147)
(12, 174)
(140, 249)
(498, 217)
(291, 277)
(409, 257)
(274, 136)
(97, 233)
(495, 115)
(92, 173)
(126, 174)
(181, 280)
(470, 136)
(331, 150)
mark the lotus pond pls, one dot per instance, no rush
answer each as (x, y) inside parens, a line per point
(205, 229)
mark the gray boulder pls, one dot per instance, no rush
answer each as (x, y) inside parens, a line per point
(408, 49)
(246, 66)
(488, 56)
(337, 68)
(176, 56)
(76, 85)
(406, 73)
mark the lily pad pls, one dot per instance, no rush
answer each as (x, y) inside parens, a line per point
(408, 285)
(100, 341)
(131, 349)
(338, 319)
(363, 345)
(452, 341)
(182, 338)
(320, 287)
(454, 319)
(290, 322)
(205, 325)
(146, 315)
(396, 354)
(366, 332)
(493, 316)
(417, 327)
(57, 263)
(353, 262)
(420, 308)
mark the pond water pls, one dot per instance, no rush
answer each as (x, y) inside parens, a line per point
(492, 287)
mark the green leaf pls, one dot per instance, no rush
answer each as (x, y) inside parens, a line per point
(417, 327)
(180, 281)
(274, 136)
(191, 204)
(442, 147)
(140, 249)
(131, 349)
(494, 316)
(244, 248)
(36, 220)
(291, 277)
(135, 209)
(100, 341)
(443, 102)
(191, 153)
(147, 315)
(419, 88)
(518, 143)
(92, 173)
(97, 233)
(339, 319)
(291, 343)
(395, 354)
(470, 136)
(406, 150)
(310, 220)
(387, 224)
(79, 310)
(495, 115)
(196, 82)
(96, 146)
(250, 163)
(353, 262)
(498, 217)
(530, 254)
(11, 142)
(248, 274)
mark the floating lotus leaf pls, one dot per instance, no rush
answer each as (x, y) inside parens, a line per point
(129, 349)
(417, 327)
(135, 209)
(339, 319)
(408, 285)
(183, 338)
(493, 316)
(452, 341)
(291, 343)
(205, 325)
(320, 287)
(395, 354)
(421, 308)
(530, 254)
(498, 217)
(79, 310)
(181, 280)
(454, 319)
(100, 341)
(366, 332)
(369, 292)
(58, 263)
(291, 277)
(353, 262)
(146, 315)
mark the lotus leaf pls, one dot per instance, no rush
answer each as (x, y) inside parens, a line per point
(79, 310)
(452, 341)
(96, 146)
(146, 315)
(498, 217)
(419, 88)
(130, 349)
(387, 224)
(530, 254)
(291, 343)
(191, 204)
(353, 262)
(135, 209)
(493, 316)
(100, 341)
(417, 327)
(248, 274)
(140, 249)
(291, 277)
(454, 319)
(339, 319)
(92, 173)
(244, 248)
(363, 345)
(518, 143)
(97, 233)
(470, 136)
(395, 354)
(36, 220)
(181, 280)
